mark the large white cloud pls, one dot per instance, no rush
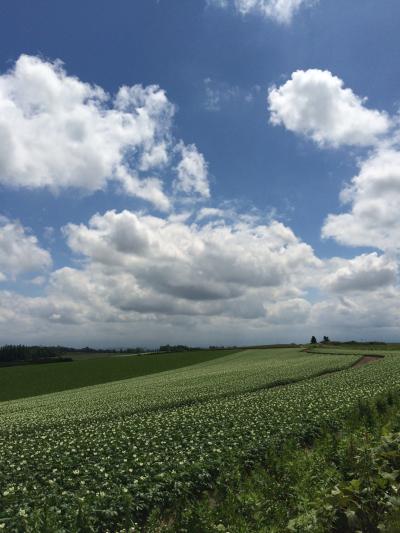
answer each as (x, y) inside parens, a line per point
(230, 278)
(211, 275)
(190, 268)
(372, 315)
(374, 196)
(289, 311)
(316, 104)
(57, 131)
(280, 10)
(357, 298)
(137, 267)
(366, 272)
(143, 279)
(20, 252)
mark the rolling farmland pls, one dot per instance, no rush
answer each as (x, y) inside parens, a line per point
(33, 380)
(102, 458)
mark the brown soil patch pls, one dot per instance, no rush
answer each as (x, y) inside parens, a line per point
(366, 359)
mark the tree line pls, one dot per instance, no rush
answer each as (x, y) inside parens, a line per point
(20, 353)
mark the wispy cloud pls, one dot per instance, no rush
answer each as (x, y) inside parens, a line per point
(218, 94)
(281, 11)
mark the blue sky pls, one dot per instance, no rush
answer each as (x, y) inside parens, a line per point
(216, 62)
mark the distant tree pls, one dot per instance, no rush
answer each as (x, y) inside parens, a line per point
(326, 338)
(313, 340)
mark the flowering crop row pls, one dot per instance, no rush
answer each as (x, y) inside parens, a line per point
(99, 458)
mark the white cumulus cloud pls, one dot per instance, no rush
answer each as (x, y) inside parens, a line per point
(316, 104)
(57, 131)
(369, 315)
(149, 264)
(366, 272)
(374, 197)
(20, 252)
(158, 279)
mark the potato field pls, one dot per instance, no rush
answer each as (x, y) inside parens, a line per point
(105, 457)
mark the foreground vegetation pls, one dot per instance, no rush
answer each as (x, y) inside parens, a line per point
(118, 456)
(105, 457)
(344, 481)
(23, 381)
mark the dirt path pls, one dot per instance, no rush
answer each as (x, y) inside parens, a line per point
(365, 359)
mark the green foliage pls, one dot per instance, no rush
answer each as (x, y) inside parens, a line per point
(347, 481)
(361, 503)
(20, 353)
(23, 381)
(104, 457)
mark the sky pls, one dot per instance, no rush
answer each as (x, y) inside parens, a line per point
(201, 171)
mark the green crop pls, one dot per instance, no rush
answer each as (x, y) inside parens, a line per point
(101, 458)
(31, 380)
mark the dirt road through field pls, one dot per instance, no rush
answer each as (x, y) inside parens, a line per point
(366, 359)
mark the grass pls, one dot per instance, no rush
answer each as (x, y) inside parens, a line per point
(33, 380)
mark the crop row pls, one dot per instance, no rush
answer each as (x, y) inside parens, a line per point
(234, 374)
(109, 459)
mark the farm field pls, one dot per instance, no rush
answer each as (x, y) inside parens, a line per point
(111, 457)
(32, 380)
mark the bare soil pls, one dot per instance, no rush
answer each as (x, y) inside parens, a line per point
(366, 359)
